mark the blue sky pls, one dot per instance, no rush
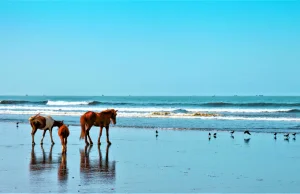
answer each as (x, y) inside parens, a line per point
(149, 48)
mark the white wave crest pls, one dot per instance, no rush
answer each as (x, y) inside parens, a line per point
(66, 107)
(67, 103)
(147, 115)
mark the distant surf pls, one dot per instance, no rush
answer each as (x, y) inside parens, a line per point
(163, 104)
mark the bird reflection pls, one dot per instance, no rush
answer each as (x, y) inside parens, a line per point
(247, 140)
(38, 164)
(97, 169)
(63, 170)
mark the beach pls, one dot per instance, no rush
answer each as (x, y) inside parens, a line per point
(138, 161)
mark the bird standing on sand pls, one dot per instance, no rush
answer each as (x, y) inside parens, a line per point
(294, 134)
(247, 132)
(17, 124)
(156, 132)
(232, 132)
(287, 135)
(215, 135)
(209, 135)
(275, 135)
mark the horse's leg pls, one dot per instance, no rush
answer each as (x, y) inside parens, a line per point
(88, 134)
(100, 134)
(66, 141)
(50, 130)
(32, 134)
(43, 136)
(62, 143)
(87, 129)
(107, 134)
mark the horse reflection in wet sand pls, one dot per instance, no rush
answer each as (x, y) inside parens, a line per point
(63, 170)
(43, 123)
(103, 170)
(102, 119)
(39, 164)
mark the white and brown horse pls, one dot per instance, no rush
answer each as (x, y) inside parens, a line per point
(43, 123)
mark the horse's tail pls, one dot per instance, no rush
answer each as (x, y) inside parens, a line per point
(82, 124)
(33, 117)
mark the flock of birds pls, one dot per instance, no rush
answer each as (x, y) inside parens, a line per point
(286, 136)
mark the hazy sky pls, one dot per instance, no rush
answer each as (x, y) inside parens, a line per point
(149, 48)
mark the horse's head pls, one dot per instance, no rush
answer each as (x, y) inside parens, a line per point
(58, 123)
(114, 116)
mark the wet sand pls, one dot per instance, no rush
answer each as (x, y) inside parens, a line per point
(138, 161)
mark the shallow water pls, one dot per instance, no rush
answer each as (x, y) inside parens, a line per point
(138, 161)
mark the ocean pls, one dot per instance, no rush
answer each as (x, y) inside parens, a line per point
(255, 113)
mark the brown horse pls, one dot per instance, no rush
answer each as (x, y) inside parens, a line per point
(102, 119)
(63, 133)
(43, 123)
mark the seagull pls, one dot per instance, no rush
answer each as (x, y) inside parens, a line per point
(209, 135)
(294, 134)
(286, 136)
(156, 132)
(17, 124)
(275, 134)
(215, 135)
(247, 132)
(232, 132)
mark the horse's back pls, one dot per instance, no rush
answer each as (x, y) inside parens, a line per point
(49, 122)
(88, 116)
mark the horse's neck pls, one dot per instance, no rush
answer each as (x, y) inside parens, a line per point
(56, 124)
